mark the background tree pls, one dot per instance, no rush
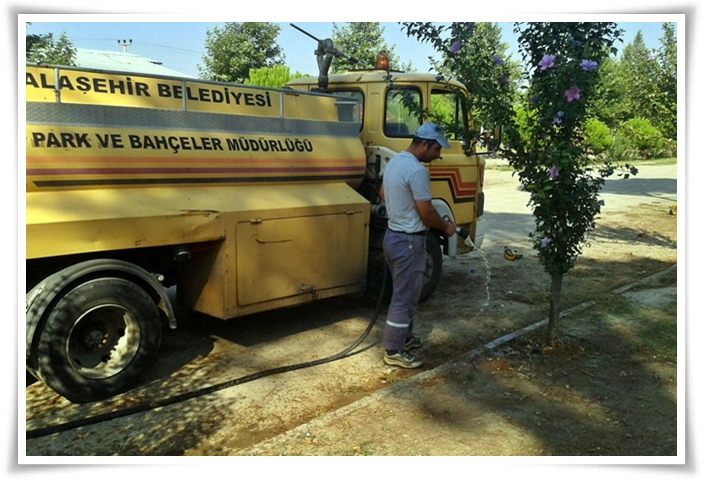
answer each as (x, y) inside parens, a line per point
(275, 76)
(638, 69)
(44, 49)
(493, 74)
(598, 136)
(473, 54)
(666, 119)
(610, 103)
(237, 48)
(363, 41)
(637, 99)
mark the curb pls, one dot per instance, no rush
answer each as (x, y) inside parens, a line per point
(472, 355)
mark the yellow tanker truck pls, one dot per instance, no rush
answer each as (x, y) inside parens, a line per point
(245, 199)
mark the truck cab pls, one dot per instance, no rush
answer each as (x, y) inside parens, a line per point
(390, 102)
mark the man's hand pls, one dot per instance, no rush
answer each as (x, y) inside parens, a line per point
(433, 219)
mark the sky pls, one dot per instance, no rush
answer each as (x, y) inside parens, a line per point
(180, 46)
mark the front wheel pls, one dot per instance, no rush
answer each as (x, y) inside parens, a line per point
(98, 339)
(434, 265)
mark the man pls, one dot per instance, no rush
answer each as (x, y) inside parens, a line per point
(407, 197)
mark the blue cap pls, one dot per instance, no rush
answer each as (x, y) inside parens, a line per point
(432, 131)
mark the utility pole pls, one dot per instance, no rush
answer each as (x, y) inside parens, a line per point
(125, 44)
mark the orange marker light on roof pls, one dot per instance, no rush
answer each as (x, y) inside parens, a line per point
(382, 63)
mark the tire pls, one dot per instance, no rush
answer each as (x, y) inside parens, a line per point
(376, 275)
(434, 265)
(98, 339)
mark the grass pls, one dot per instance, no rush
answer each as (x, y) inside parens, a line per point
(392, 378)
(656, 330)
(661, 161)
(647, 330)
(364, 449)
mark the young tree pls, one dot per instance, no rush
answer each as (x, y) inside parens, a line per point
(238, 47)
(561, 61)
(44, 49)
(363, 41)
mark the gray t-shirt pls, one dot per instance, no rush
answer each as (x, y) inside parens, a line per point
(404, 182)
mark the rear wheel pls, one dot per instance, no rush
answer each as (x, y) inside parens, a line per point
(434, 266)
(98, 339)
(432, 275)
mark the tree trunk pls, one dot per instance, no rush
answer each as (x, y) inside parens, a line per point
(554, 315)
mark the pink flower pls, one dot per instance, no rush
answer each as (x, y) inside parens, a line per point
(572, 93)
(553, 172)
(547, 62)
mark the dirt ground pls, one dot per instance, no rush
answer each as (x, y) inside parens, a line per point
(607, 391)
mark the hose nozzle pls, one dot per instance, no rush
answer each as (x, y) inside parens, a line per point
(465, 234)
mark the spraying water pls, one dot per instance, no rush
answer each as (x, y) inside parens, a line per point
(466, 237)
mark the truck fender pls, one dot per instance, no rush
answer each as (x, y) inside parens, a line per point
(378, 156)
(443, 209)
(43, 294)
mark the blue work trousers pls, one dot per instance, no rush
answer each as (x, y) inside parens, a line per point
(406, 258)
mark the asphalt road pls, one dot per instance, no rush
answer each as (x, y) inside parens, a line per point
(507, 218)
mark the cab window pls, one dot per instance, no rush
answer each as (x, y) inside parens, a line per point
(448, 108)
(402, 112)
(357, 112)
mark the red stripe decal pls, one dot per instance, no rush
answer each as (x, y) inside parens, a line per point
(185, 171)
(459, 188)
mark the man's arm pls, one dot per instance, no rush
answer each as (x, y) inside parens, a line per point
(433, 219)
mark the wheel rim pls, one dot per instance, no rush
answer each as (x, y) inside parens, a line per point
(103, 341)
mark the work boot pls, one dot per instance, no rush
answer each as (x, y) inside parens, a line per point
(402, 359)
(413, 342)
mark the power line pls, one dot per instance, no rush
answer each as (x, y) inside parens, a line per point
(183, 50)
(138, 43)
